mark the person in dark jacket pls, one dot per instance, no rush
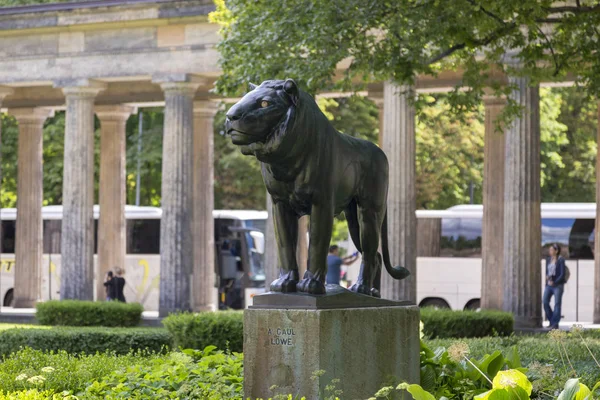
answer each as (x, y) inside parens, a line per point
(119, 283)
(109, 285)
(555, 285)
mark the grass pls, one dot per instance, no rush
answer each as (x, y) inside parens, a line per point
(4, 326)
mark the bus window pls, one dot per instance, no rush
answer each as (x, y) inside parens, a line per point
(9, 232)
(52, 236)
(579, 239)
(461, 237)
(258, 224)
(143, 236)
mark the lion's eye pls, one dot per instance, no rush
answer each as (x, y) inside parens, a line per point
(264, 103)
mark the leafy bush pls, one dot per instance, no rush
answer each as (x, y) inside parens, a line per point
(62, 371)
(85, 340)
(88, 313)
(34, 394)
(192, 374)
(223, 329)
(441, 323)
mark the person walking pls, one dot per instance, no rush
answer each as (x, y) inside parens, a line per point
(334, 264)
(555, 285)
(119, 285)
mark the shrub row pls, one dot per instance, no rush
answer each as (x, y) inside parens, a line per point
(223, 329)
(85, 340)
(88, 313)
(443, 323)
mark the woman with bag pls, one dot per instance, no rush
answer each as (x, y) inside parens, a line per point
(555, 285)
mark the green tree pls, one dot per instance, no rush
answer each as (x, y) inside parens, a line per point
(398, 40)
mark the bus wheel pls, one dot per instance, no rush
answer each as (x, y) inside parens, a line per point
(434, 302)
(474, 304)
(8, 299)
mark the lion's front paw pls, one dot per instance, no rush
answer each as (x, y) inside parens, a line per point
(311, 286)
(286, 283)
(360, 288)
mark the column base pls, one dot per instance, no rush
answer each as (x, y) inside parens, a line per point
(24, 303)
(527, 322)
(365, 348)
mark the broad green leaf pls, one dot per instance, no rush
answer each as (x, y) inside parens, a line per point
(492, 363)
(511, 379)
(596, 387)
(583, 392)
(570, 390)
(513, 359)
(494, 394)
(417, 392)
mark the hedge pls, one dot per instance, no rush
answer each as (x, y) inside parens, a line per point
(223, 329)
(88, 313)
(85, 340)
(443, 323)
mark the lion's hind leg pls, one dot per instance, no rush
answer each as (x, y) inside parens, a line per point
(370, 223)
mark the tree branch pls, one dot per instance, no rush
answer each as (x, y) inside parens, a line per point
(486, 12)
(557, 66)
(478, 42)
(575, 10)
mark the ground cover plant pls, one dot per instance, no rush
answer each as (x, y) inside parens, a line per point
(547, 366)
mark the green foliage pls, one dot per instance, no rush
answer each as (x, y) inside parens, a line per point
(88, 313)
(399, 40)
(449, 155)
(238, 180)
(85, 340)
(443, 323)
(63, 371)
(223, 329)
(192, 374)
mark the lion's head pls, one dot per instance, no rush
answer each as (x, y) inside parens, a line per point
(258, 114)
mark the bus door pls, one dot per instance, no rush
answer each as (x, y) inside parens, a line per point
(241, 267)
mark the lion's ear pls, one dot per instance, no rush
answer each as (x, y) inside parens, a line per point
(291, 89)
(252, 86)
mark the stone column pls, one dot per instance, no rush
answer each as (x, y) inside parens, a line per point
(493, 207)
(597, 233)
(28, 254)
(399, 146)
(111, 225)
(176, 244)
(203, 281)
(271, 256)
(77, 244)
(522, 217)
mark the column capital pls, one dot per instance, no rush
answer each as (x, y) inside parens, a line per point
(80, 87)
(179, 82)
(5, 91)
(31, 115)
(206, 108)
(118, 112)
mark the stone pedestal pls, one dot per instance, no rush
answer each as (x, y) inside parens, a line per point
(365, 348)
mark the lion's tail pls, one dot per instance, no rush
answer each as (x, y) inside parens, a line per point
(396, 272)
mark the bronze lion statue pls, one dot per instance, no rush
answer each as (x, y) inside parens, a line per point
(309, 168)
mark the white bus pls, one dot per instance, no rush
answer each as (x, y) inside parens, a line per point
(449, 266)
(239, 248)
